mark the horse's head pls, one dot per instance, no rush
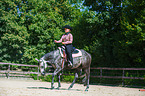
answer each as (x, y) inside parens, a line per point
(42, 65)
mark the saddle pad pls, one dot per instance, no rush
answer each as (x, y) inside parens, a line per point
(77, 52)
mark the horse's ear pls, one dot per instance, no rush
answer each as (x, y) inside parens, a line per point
(36, 59)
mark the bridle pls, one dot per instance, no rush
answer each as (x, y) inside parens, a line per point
(43, 64)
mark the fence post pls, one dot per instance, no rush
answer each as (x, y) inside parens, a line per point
(100, 74)
(38, 73)
(123, 78)
(8, 71)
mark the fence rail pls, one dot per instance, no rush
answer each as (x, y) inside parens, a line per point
(8, 71)
(101, 75)
(118, 77)
(1, 63)
(106, 68)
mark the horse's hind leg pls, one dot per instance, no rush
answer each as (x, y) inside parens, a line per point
(76, 76)
(87, 71)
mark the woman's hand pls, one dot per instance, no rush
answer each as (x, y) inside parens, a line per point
(55, 41)
(63, 42)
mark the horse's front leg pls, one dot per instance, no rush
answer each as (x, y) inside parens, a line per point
(53, 75)
(58, 76)
(76, 76)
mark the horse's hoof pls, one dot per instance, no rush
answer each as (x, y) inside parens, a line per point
(69, 88)
(52, 87)
(86, 90)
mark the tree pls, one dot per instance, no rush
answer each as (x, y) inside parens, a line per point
(105, 26)
(121, 35)
(29, 27)
(112, 31)
(133, 32)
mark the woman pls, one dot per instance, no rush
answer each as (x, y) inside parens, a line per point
(67, 40)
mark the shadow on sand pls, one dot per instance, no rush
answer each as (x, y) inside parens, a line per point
(53, 88)
(113, 85)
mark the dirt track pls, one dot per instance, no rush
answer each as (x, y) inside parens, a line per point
(17, 87)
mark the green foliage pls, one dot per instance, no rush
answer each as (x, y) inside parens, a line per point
(34, 76)
(30, 27)
(48, 78)
(68, 78)
(128, 81)
(112, 31)
(117, 33)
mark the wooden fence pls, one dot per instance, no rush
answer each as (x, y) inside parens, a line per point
(100, 75)
(9, 71)
(118, 77)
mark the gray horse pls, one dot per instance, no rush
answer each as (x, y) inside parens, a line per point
(55, 59)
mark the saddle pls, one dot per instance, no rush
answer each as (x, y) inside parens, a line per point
(75, 53)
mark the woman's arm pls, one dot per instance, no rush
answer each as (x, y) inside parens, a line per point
(70, 40)
(59, 41)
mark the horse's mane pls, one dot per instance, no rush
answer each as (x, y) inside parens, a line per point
(51, 54)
